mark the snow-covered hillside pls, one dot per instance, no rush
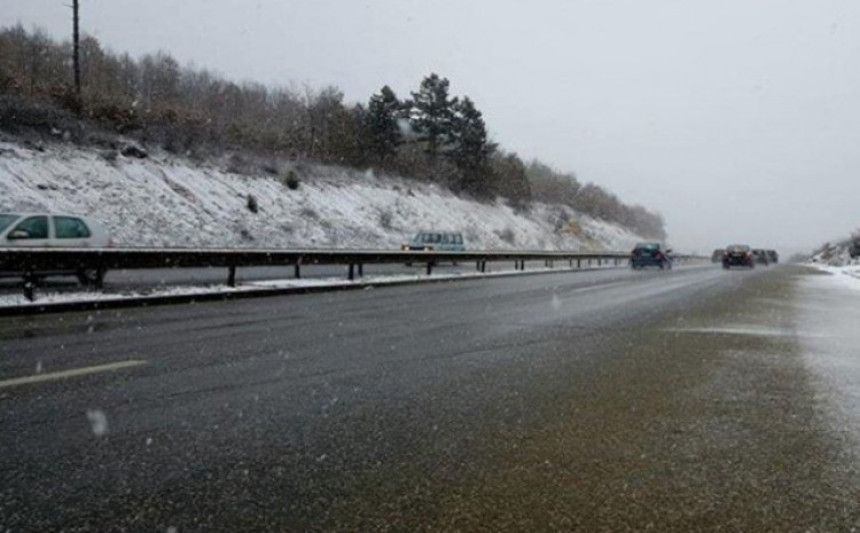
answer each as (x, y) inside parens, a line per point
(837, 255)
(168, 201)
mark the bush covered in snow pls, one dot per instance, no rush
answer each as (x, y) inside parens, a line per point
(843, 253)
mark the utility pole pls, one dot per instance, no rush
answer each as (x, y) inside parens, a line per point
(76, 60)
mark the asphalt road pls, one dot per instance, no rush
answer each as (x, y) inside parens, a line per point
(594, 401)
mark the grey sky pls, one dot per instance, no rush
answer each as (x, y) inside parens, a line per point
(737, 119)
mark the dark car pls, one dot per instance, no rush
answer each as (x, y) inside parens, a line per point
(772, 256)
(738, 255)
(717, 256)
(647, 254)
(760, 257)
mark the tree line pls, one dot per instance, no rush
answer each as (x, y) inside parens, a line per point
(430, 134)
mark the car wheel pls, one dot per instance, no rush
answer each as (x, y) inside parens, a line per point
(91, 277)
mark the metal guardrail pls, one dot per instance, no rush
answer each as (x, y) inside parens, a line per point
(31, 263)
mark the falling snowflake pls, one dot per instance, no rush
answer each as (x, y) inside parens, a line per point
(98, 422)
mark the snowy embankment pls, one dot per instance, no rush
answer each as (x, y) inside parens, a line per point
(836, 259)
(165, 200)
(844, 276)
(835, 255)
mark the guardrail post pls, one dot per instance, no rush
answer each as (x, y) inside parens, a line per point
(297, 270)
(589, 262)
(429, 267)
(29, 286)
(483, 266)
(616, 261)
(600, 261)
(579, 263)
(231, 276)
(351, 274)
(361, 270)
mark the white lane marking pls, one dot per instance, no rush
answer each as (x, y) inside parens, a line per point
(75, 372)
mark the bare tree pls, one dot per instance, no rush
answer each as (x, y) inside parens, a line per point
(76, 46)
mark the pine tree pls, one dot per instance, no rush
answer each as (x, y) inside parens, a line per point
(432, 113)
(382, 130)
(470, 148)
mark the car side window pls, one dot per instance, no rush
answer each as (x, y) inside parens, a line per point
(458, 239)
(446, 238)
(31, 228)
(70, 228)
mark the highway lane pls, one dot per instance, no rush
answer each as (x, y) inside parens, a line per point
(595, 400)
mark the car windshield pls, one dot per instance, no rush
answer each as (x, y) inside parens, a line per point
(429, 266)
(6, 220)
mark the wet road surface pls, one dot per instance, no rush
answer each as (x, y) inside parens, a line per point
(596, 401)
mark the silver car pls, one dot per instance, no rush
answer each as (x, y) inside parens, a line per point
(54, 230)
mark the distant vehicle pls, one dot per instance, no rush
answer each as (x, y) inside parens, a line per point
(647, 254)
(738, 255)
(773, 256)
(54, 230)
(436, 241)
(761, 257)
(717, 256)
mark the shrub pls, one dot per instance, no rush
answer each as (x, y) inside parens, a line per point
(252, 204)
(507, 236)
(292, 181)
(270, 168)
(385, 218)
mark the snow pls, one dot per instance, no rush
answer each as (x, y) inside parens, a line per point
(830, 306)
(166, 200)
(845, 277)
(836, 255)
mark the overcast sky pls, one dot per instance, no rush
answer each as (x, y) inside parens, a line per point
(739, 120)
